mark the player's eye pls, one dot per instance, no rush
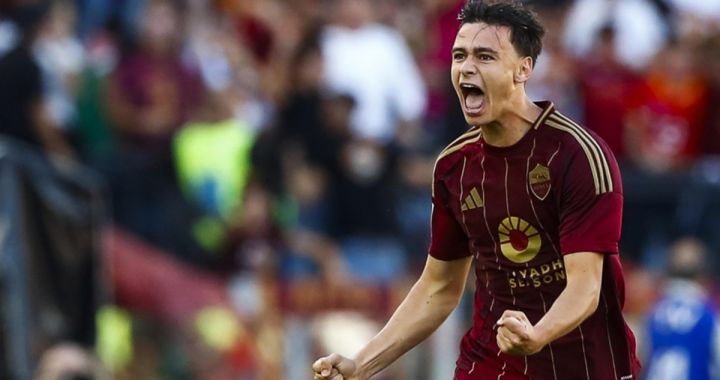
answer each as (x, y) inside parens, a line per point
(485, 57)
(458, 56)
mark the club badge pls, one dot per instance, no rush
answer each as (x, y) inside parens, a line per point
(539, 180)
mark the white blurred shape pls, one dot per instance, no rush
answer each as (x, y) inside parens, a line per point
(374, 65)
(709, 9)
(345, 333)
(640, 31)
(670, 365)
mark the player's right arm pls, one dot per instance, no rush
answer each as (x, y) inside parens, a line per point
(427, 305)
(430, 300)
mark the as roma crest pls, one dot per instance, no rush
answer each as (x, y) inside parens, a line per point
(539, 180)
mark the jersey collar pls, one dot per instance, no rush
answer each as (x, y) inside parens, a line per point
(547, 109)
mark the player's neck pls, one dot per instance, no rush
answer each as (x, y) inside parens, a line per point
(508, 129)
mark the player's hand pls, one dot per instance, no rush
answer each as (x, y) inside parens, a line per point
(516, 335)
(335, 367)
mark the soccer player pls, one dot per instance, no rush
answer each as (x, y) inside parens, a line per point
(535, 201)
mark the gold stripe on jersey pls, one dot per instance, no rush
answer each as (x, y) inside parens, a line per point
(454, 148)
(473, 132)
(471, 136)
(595, 167)
(543, 115)
(593, 156)
(602, 162)
(597, 146)
(589, 155)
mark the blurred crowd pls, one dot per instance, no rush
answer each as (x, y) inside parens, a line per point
(273, 158)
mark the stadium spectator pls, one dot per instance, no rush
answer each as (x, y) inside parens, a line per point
(151, 93)
(708, 62)
(300, 145)
(435, 60)
(300, 115)
(605, 85)
(92, 132)
(212, 151)
(556, 74)
(61, 57)
(373, 64)
(24, 106)
(666, 114)
(640, 26)
(683, 335)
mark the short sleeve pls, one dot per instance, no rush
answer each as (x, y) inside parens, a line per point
(590, 209)
(448, 241)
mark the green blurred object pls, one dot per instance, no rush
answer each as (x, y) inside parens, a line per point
(213, 163)
(210, 233)
(286, 211)
(114, 337)
(93, 129)
(219, 328)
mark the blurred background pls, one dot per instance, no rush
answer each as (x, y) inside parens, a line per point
(225, 189)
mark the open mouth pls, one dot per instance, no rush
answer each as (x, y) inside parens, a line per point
(473, 97)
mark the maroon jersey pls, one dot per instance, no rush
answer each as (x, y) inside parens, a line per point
(518, 210)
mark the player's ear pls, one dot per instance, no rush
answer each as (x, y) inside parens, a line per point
(524, 70)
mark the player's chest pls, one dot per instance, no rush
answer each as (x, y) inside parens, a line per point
(505, 197)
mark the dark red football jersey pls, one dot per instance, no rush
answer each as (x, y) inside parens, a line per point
(518, 210)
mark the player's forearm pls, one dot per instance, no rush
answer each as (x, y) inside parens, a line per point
(579, 299)
(571, 308)
(421, 313)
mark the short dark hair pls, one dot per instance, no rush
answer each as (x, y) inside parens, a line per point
(526, 31)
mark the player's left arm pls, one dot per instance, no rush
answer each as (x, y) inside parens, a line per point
(517, 336)
(589, 229)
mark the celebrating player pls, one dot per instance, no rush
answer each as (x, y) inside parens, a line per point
(536, 201)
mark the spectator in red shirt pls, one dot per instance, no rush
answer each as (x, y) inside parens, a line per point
(605, 84)
(667, 112)
(150, 95)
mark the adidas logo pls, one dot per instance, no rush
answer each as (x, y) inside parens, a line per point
(472, 201)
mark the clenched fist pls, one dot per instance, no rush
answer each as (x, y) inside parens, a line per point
(335, 367)
(516, 335)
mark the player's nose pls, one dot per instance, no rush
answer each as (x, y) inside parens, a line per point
(468, 67)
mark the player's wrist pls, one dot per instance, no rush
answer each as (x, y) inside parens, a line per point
(360, 373)
(540, 337)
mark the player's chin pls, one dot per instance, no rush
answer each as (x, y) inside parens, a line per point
(475, 119)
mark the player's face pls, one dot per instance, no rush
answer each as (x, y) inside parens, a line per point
(484, 68)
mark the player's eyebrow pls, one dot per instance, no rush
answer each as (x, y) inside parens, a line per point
(477, 50)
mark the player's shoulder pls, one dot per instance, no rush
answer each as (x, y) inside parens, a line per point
(579, 143)
(450, 156)
(450, 152)
(573, 136)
